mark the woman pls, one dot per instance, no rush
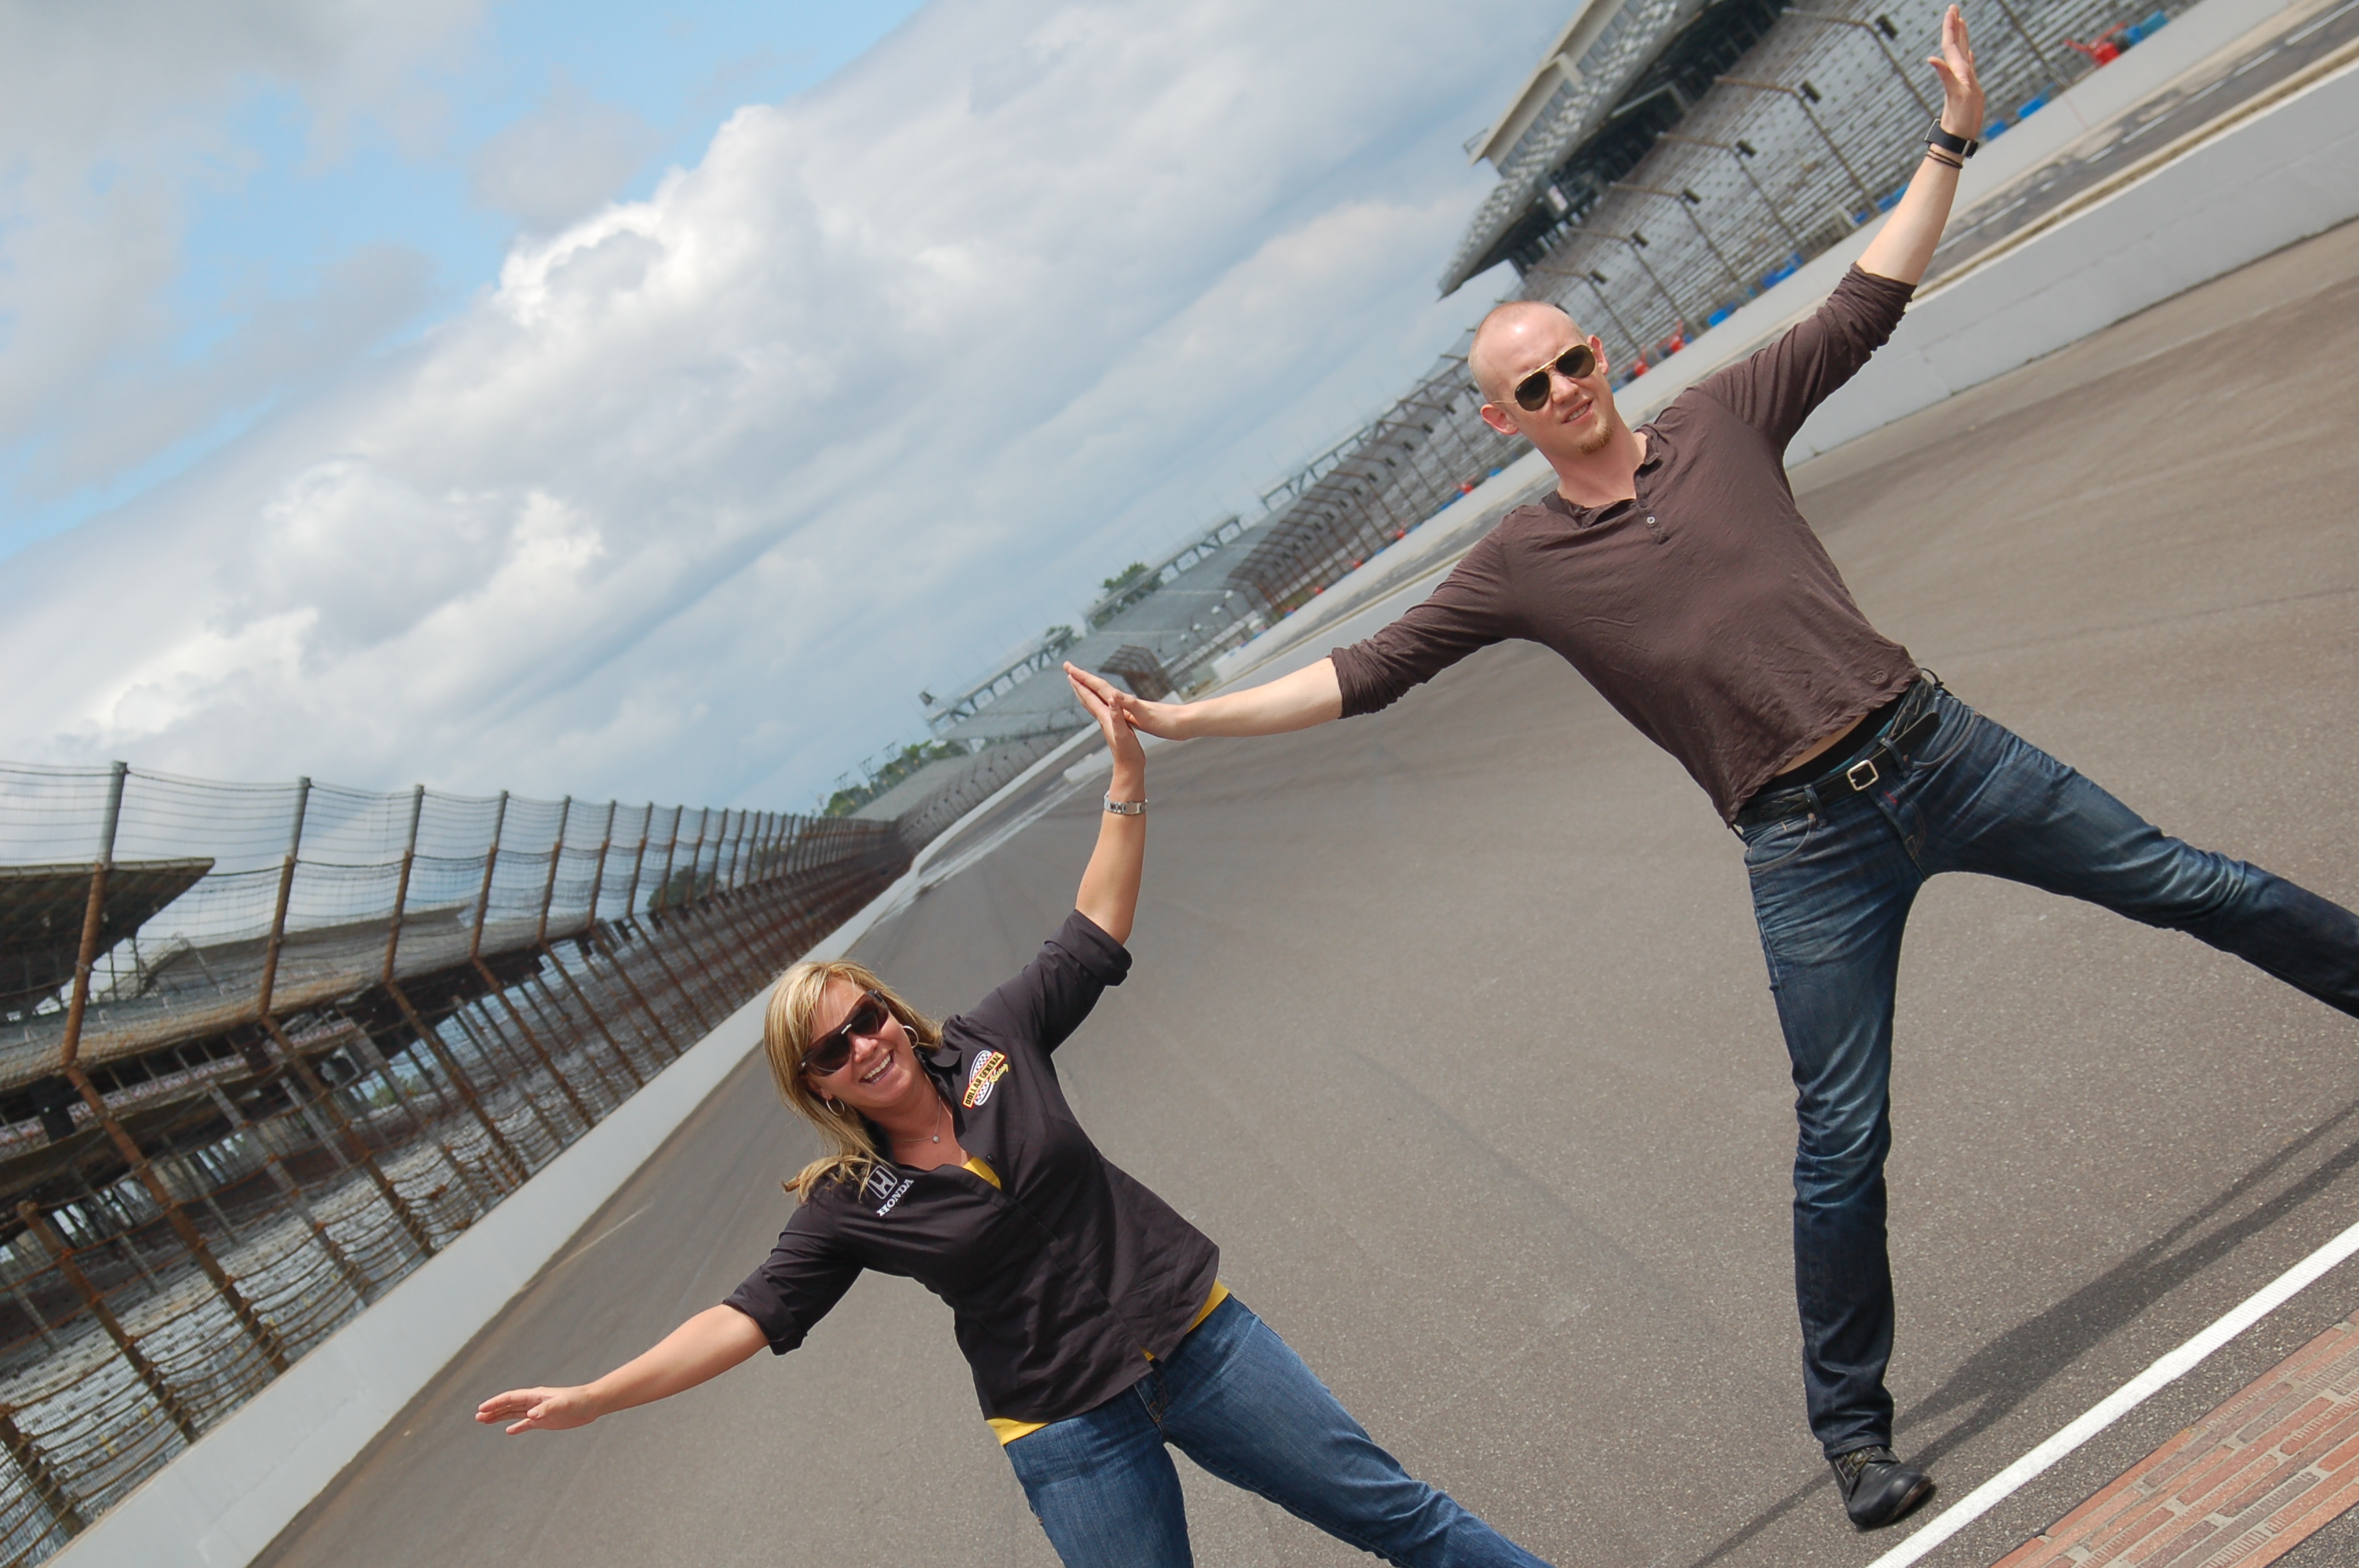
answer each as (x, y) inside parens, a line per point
(1088, 1309)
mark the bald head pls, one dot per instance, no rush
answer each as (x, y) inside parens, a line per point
(1513, 339)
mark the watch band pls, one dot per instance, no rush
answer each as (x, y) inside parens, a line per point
(1126, 807)
(1957, 147)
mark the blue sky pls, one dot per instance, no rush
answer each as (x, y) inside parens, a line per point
(297, 187)
(649, 403)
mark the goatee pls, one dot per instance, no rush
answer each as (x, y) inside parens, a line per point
(1594, 440)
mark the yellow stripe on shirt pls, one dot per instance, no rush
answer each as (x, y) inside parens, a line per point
(1008, 1431)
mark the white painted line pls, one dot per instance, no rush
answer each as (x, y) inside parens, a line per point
(2120, 1402)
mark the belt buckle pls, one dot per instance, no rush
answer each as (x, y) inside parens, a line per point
(1862, 773)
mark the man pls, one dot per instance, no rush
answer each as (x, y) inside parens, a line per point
(1672, 570)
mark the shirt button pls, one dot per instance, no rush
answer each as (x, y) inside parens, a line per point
(1650, 518)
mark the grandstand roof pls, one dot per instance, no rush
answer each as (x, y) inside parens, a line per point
(42, 911)
(1611, 63)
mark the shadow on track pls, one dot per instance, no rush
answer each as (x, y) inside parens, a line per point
(1997, 1379)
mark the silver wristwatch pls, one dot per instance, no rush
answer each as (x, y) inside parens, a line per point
(1126, 807)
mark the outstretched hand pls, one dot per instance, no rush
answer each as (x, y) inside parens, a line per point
(539, 1410)
(1160, 718)
(1961, 89)
(1106, 702)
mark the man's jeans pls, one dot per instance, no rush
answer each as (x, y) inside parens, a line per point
(1831, 887)
(1237, 1401)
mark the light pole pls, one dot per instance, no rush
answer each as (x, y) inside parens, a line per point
(1687, 201)
(1806, 95)
(1880, 29)
(2033, 45)
(1597, 281)
(1638, 243)
(1742, 150)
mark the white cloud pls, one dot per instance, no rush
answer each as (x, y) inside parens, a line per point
(113, 119)
(693, 501)
(562, 160)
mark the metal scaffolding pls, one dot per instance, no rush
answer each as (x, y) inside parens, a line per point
(265, 1049)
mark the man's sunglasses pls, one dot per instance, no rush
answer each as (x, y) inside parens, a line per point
(1532, 392)
(833, 1049)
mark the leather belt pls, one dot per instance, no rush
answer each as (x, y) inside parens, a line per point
(1907, 731)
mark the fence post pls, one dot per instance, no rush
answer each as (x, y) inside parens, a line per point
(319, 1092)
(540, 940)
(323, 1094)
(587, 938)
(595, 931)
(293, 1193)
(93, 914)
(40, 1479)
(513, 1070)
(286, 890)
(491, 866)
(713, 909)
(266, 1338)
(549, 1008)
(37, 1224)
(656, 929)
(401, 888)
(502, 1149)
(671, 848)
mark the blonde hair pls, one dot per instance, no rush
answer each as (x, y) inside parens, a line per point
(786, 1035)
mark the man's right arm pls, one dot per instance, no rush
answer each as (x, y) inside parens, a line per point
(1467, 611)
(1311, 694)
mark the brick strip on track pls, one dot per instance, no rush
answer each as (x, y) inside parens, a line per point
(2241, 1488)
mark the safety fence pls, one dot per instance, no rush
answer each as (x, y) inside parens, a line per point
(264, 1049)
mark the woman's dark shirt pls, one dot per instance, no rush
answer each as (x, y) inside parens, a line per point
(1705, 611)
(1060, 1279)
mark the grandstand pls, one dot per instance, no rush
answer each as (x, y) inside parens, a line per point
(1666, 161)
(266, 1050)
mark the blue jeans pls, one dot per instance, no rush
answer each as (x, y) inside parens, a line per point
(1831, 887)
(1237, 1401)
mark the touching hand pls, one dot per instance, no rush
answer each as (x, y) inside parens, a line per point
(1962, 90)
(1159, 719)
(1101, 700)
(548, 1410)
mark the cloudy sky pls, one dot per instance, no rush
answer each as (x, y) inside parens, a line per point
(473, 394)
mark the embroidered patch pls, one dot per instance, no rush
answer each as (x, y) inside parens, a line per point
(989, 1068)
(885, 1189)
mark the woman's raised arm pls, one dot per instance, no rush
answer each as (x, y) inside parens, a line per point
(704, 1346)
(1109, 894)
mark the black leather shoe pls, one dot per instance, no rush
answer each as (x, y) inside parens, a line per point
(1877, 1488)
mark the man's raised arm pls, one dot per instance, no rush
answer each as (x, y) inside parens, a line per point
(1310, 696)
(1904, 248)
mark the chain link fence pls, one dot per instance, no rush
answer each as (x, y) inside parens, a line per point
(265, 1049)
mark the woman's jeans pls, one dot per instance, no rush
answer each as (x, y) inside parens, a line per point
(1237, 1401)
(1831, 887)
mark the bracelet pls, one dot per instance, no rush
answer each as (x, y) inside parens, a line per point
(1126, 807)
(1938, 155)
(1956, 147)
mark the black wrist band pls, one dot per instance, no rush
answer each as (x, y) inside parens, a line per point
(1957, 147)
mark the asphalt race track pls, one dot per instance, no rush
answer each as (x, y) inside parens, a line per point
(1449, 1026)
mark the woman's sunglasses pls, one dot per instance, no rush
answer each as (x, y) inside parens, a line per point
(831, 1050)
(1532, 392)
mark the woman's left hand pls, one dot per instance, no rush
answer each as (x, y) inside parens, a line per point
(1961, 89)
(1100, 699)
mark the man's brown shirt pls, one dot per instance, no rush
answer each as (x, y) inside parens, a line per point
(1705, 611)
